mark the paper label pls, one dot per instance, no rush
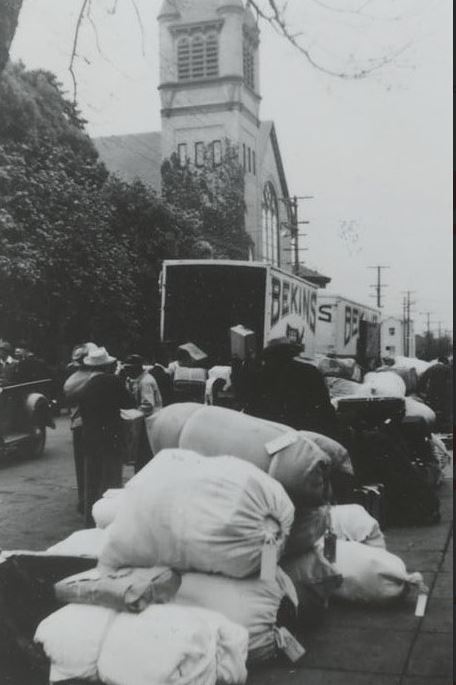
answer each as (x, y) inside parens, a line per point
(269, 561)
(421, 604)
(290, 646)
(330, 547)
(280, 443)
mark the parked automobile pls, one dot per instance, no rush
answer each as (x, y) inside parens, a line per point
(25, 415)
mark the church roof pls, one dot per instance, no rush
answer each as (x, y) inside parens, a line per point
(268, 134)
(195, 10)
(133, 156)
(313, 276)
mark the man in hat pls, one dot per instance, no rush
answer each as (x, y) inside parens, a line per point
(144, 389)
(78, 376)
(289, 390)
(100, 402)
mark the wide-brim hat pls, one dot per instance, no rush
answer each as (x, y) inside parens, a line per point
(99, 357)
(81, 351)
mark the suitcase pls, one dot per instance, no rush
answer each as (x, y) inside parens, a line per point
(370, 411)
(381, 456)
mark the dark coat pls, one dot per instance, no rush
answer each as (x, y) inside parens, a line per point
(293, 392)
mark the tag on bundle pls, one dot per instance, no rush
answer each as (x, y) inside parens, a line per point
(289, 645)
(269, 561)
(421, 603)
(280, 443)
(330, 546)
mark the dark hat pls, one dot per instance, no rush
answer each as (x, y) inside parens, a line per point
(134, 360)
(282, 347)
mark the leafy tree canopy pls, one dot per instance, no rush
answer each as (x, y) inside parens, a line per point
(80, 251)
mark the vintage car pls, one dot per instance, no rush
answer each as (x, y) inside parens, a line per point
(25, 414)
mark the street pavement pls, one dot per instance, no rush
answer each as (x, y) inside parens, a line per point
(353, 645)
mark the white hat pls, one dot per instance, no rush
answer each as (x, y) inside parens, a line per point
(99, 357)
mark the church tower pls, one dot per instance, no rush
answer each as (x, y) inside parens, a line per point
(210, 92)
(209, 80)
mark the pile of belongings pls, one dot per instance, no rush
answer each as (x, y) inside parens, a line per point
(155, 625)
(342, 375)
(208, 564)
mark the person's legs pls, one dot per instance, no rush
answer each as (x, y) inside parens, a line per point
(111, 464)
(144, 454)
(79, 466)
(92, 479)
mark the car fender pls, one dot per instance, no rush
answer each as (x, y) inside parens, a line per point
(38, 409)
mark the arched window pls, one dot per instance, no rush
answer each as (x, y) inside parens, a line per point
(270, 232)
(197, 56)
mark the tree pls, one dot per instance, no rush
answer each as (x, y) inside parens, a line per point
(215, 193)
(152, 230)
(80, 251)
(9, 14)
(63, 273)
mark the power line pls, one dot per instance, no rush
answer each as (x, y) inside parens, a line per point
(379, 285)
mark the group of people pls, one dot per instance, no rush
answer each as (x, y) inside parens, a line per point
(98, 387)
(20, 365)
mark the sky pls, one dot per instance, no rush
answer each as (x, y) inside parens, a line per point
(375, 154)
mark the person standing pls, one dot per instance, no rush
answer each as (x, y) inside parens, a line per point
(146, 393)
(100, 403)
(288, 390)
(163, 377)
(8, 365)
(78, 377)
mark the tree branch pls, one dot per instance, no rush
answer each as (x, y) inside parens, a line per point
(84, 6)
(141, 26)
(277, 20)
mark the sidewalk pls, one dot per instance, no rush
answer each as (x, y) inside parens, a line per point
(371, 646)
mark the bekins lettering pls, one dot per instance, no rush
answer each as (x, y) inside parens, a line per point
(293, 298)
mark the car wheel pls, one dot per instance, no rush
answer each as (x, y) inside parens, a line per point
(37, 442)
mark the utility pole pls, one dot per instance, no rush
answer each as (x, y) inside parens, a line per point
(293, 227)
(404, 325)
(408, 328)
(379, 285)
(428, 330)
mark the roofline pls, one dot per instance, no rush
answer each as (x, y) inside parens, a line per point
(328, 294)
(278, 156)
(233, 262)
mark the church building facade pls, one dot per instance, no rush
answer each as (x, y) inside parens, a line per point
(210, 94)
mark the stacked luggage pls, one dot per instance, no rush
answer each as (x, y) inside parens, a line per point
(220, 552)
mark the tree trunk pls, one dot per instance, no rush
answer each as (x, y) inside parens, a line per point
(9, 14)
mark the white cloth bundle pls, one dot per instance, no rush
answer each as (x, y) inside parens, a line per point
(250, 602)
(196, 514)
(171, 645)
(387, 384)
(82, 543)
(105, 509)
(164, 427)
(414, 407)
(371, 574)
(72, 638)
(412, 363)
(163, 645)
(353, 522)
(301, 461)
